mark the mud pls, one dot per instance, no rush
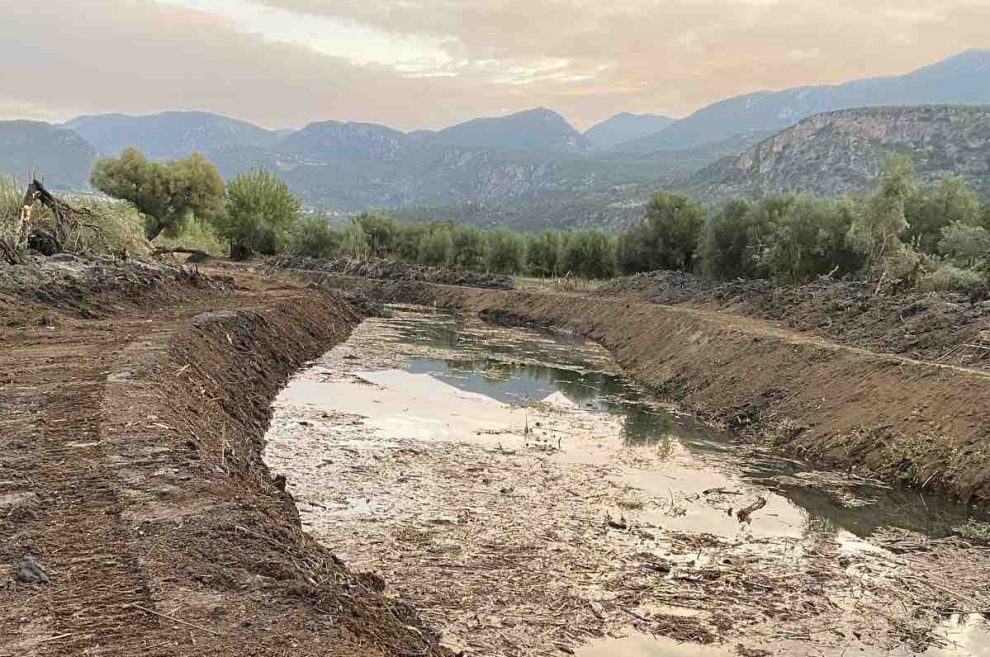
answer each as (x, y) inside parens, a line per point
(130, 469)
(882, 416)
(945, 327)
(529, 500)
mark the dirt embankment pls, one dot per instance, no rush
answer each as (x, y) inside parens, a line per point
(888, 416)
(946, 327)
(130, 470)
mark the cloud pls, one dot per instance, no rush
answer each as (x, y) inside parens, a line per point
(428, 63)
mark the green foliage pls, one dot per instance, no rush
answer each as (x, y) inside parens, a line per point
(931, 210)
(543, 251)
(965, 244)
(467, 247)
(588, 254)
(197, 234)
(380, 231)
(876, 231)
(314, 237)
(168, 193)
(10, 211)
(114, 227)
(666, 238)
(436, 246)
(806, 237)
(728, 241)
(260, 214)
(949, 278)
(354, 243)
(506, 251)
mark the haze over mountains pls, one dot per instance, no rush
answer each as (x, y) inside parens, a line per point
(530, 168)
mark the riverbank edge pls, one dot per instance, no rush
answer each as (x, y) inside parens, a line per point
(903, 421)
(238, 545)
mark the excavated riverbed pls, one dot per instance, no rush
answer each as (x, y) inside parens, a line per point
(529, 500)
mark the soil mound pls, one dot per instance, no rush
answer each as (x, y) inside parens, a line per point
(938, 326)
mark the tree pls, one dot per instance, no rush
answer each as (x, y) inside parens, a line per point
(666, 238)
(930, 211)
(543, 253)
(261, 212)
(436, 246)
(506, 252)
(727, 246)
(168, 193)
(314, 237)
(588, 254)
(967, 245)
(380, 231)
(808, 238)
(876, 231)
(467, 246)
(354, 243)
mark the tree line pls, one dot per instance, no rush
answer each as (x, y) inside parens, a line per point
(902, 232)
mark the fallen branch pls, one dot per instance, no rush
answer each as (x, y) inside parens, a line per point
(177, 620)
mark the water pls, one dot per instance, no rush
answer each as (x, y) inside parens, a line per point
(519, 491)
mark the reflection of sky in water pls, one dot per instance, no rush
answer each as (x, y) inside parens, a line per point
(492, 364)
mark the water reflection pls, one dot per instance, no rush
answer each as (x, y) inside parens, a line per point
(514, 371)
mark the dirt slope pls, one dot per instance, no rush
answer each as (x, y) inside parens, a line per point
(130, 468)
(889, 416)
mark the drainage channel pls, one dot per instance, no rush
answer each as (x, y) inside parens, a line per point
(529, 500)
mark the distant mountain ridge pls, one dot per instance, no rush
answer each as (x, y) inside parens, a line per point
(843, 151)
(169, 135)
(963, 79)
(532, 168)
(624, 127)
(58, 156)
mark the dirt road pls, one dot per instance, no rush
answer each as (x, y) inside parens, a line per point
(130, 471)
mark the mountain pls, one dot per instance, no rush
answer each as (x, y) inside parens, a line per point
(962, 79)
(843, 151)
(170, 135)
(334, 141)
(61, 158)
(538, 130)
(624, 127)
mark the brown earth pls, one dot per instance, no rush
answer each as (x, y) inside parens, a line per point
(132, 410)
(842, 406)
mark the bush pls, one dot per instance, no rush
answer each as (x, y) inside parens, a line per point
(949, 278)
(314, 237)
(260, 214)
(196, 234)
(666, 238)
(506, 252)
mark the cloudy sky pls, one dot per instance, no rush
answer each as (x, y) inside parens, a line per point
(429, 63)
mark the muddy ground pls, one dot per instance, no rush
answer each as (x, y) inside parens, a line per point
(136, 516)
(901, 419)
(430, 449)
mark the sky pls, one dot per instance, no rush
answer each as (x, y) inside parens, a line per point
(430, 63)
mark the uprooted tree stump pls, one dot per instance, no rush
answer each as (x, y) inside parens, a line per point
(31, 232)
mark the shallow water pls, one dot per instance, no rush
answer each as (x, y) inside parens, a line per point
(381, 438)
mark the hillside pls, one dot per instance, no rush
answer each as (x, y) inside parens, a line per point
(962, 79)
(60, 157)
(169, 134)
(538, 129)
(624, 127)
(843, 151)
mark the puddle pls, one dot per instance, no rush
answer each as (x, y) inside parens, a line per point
(512, 485)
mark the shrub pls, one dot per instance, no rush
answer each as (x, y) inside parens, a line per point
(260, 214)
(314, 237)
(666, 238)
(949, 278)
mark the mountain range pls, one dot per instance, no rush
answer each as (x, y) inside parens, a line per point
(532, 168)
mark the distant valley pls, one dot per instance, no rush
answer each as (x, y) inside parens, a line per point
(533, 169)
